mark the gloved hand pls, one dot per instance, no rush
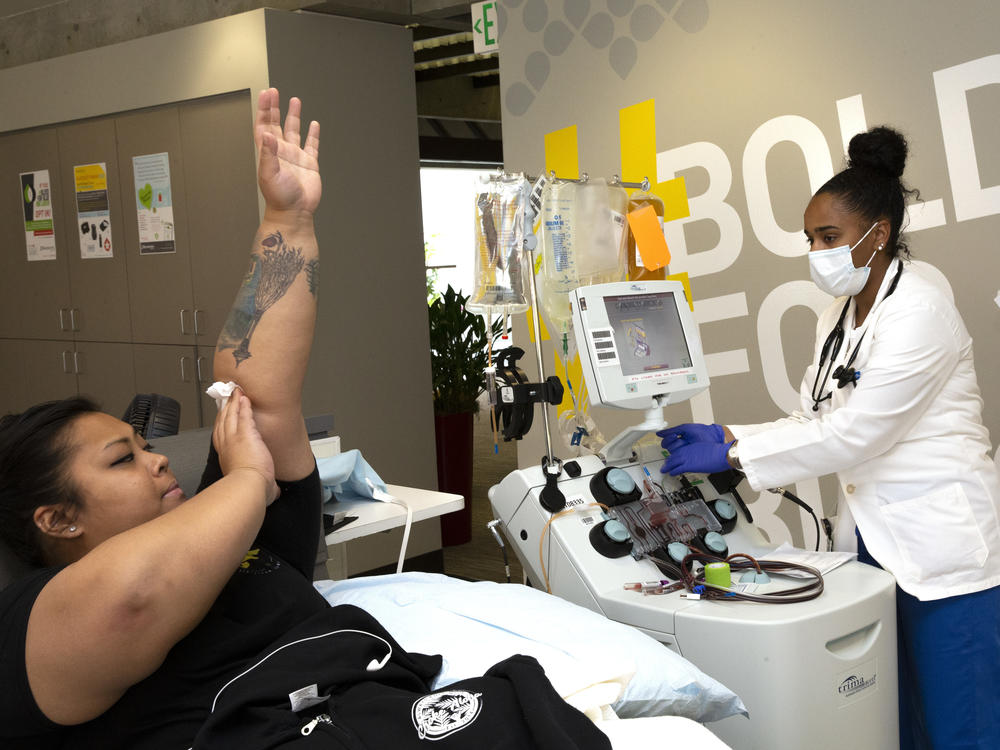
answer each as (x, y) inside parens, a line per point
(697, 458)
(692, 432)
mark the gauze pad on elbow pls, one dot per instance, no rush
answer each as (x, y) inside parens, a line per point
(221, 392)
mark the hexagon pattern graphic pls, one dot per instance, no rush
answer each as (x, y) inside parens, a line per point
(621, 27)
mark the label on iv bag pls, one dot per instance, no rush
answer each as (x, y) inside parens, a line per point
(638, 252)
(647, 228)
(535, 199)
(618, 223)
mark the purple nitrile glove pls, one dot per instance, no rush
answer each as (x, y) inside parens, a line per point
(691, 432)
(697, 458)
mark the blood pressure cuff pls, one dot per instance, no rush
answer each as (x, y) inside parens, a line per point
(340, 681)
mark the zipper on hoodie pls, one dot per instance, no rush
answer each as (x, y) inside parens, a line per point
(320, 719)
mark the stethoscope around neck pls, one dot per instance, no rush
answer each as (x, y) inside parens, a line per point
(844, 373)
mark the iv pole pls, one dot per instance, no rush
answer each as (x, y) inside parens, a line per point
(530, 245)
(551, 496)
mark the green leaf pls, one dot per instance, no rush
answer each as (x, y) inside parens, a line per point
(459, 341)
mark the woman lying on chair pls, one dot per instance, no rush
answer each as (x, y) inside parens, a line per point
(157, 621)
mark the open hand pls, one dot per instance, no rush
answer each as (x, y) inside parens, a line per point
(240, 445)
(288, 171)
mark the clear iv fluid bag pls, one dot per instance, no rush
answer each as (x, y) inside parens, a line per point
(582, 240)
(501, 262)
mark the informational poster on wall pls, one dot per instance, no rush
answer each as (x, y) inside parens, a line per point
(154, 203)
(36, 197)
(93, 210)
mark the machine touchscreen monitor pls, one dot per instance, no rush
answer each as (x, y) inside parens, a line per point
(639, 344)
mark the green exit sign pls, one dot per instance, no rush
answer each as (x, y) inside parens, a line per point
(485, 35)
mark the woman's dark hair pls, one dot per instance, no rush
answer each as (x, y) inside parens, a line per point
(871, 185)
(34, 448)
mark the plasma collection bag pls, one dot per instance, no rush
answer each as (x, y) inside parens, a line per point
(583, 242)
(499, 238)
(583, 239)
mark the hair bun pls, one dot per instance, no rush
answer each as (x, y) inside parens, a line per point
(881, 148)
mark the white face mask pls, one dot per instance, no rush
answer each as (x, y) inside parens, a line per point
(833, 270)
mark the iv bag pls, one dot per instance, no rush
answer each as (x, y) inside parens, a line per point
(583, 242)
(501, 263)
(637, 270)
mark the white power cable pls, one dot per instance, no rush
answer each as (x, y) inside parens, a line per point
(406, 532)
(387, 498)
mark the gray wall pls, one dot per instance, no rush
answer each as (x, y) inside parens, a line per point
(371, 361)
(754, 103)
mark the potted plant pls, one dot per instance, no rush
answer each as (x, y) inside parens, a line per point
(459, 354)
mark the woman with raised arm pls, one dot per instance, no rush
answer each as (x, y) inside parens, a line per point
(156, 621)
(101, 645)
(891, 405)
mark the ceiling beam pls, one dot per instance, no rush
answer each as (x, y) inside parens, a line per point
(399, 12)
(437, 8)
(488, 64)
(443, 51)
(463, 150)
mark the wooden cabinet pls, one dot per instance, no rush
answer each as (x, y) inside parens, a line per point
(36, 300)
(159, 283)
(127, 323)
(175, 371)
(37, 370)
(98, 286)
(105, 373)
(13, 395)
(48, 370)
(222, 209)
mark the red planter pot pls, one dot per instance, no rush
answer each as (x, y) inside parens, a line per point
(453, 440)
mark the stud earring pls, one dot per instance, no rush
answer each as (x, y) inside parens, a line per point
(72, 528)
(880, 247)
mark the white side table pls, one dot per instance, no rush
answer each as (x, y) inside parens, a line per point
(375, 516)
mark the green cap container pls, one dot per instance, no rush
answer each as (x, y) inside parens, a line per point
(718, 574)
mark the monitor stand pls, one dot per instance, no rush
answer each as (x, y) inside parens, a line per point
(618, 450)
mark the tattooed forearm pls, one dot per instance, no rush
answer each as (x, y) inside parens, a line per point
(271, 273)
(312, 276)
(241, 314)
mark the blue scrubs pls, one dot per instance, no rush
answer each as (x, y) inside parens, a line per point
(949, 669)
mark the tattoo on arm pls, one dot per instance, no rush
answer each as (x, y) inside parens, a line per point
(271, 273)
(312, 276)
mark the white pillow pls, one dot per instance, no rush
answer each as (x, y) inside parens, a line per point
(474, 625)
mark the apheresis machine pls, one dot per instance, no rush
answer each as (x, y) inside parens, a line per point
(812, 654)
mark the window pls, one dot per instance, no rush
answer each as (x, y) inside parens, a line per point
(449, 214)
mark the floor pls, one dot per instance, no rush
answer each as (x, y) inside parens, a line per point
(481, 559)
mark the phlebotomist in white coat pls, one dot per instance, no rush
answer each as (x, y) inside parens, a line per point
(891, 404)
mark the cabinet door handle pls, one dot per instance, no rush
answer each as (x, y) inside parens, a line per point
(183, 327)
(76, 362)
(65, 368)
(197, 365)
(72, 319)
(197, 313)
(184, 378)
(62, 319)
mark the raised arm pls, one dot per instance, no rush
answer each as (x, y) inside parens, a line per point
(265, 343)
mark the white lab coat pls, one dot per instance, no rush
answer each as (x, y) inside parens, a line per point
(907, 444)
